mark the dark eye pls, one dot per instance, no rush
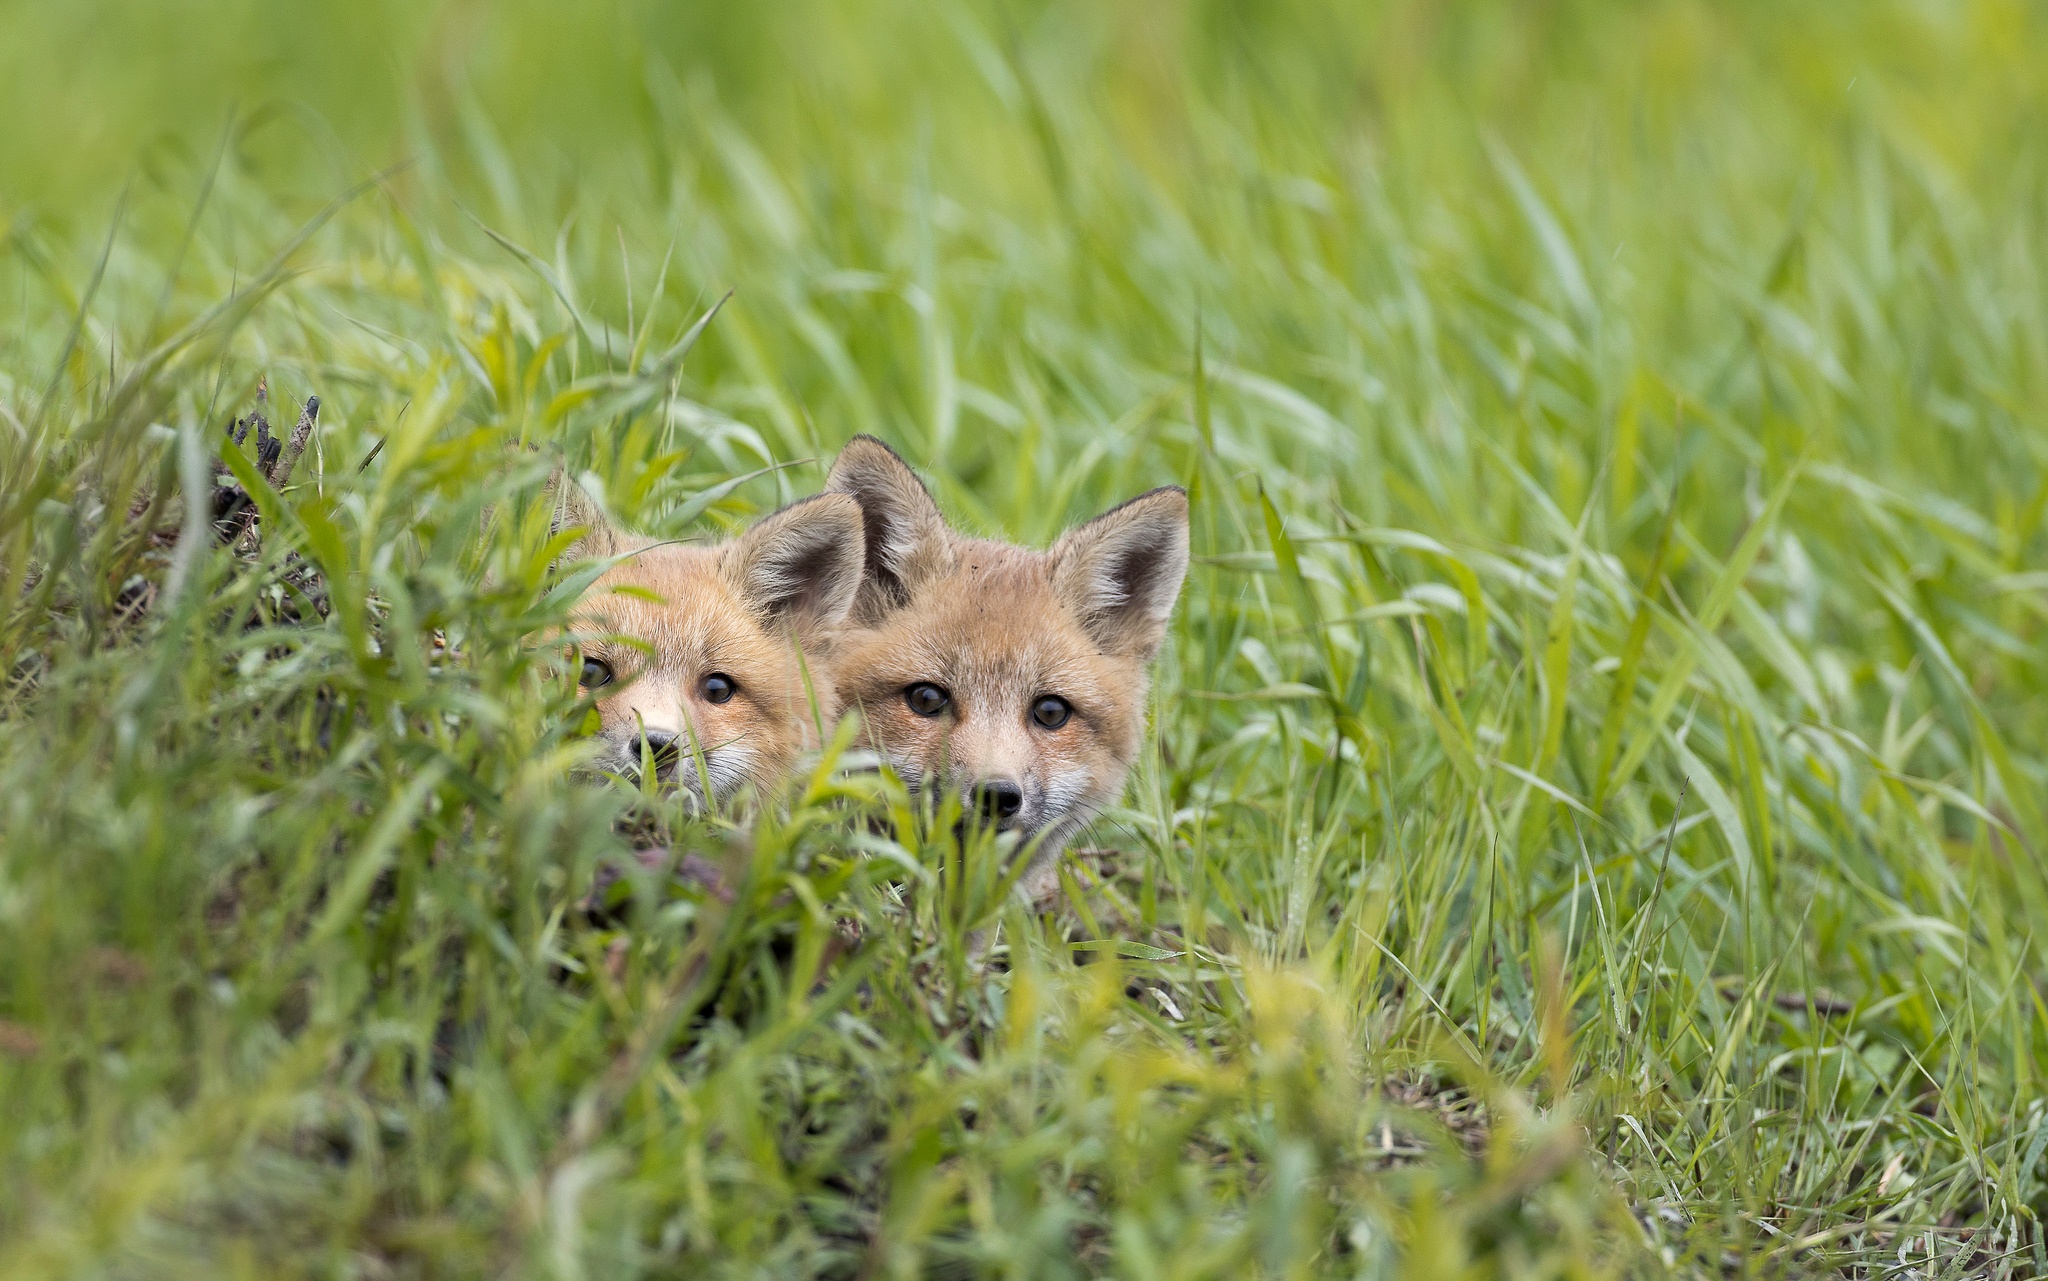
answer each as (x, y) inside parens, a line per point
(926, 699)
(1051, 711)
(596, 672)
(718, 688)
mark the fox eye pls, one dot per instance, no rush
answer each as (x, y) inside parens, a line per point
(1051, 711)
(596, 672)
(718, 688)
(926, 699)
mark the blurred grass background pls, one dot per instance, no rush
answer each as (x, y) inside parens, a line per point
(1596, 825)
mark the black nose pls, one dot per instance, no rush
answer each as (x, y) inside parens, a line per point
(658, 746)
(998, 799)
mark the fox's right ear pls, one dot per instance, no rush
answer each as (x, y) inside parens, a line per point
(575, 509)
(906, 535)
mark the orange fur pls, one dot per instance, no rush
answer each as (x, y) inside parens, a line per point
(999, 628)
(759, 612)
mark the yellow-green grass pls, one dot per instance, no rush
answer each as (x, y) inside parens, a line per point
(1596, 821)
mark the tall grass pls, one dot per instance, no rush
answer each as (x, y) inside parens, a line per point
(1595, 825)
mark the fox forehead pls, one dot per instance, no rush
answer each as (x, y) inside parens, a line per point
(695, 616)
(991, 629)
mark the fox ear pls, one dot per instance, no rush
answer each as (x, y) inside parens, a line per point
(906, 535)
(1121, 572)
(801, 567)
(574, 508)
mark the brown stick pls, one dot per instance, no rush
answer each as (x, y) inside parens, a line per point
(303, 432)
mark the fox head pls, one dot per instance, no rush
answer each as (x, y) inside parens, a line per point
(713, 652)
(1016, 676)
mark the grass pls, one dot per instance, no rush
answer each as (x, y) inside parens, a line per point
(1596, 822)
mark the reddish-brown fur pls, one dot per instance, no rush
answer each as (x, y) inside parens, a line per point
(760, 611)
(999, 628)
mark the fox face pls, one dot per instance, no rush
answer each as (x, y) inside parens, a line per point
(1016, 676)
(704, 652)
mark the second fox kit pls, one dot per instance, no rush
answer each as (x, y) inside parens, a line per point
(1017, 676)
(714, 652)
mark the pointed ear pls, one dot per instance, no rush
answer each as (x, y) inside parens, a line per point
(801, 567)
(1121, 572)
(576, 509)
(906, 535)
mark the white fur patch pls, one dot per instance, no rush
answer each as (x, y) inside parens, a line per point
(1063, 796)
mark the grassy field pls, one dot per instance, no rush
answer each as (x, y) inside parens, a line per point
(1596, 825)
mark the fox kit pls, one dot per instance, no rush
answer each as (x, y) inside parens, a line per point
(1016, 676)
(714, 651)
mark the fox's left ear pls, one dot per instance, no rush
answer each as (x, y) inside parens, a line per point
(1122, 571)
(801, 567)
